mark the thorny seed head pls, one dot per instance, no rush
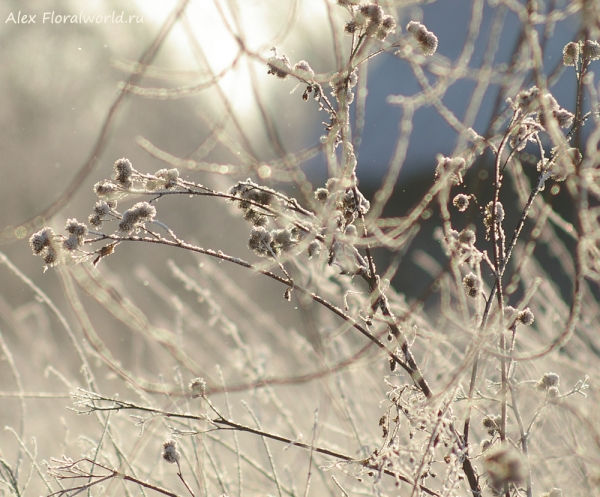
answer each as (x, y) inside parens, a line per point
(387, 26)
(321, 194)
(41, 240)
(260, 241)
(426, 40)
(341, 84)
(467, 237)
(570, 53)
(103, 208)
(107, 190)
(95, 220)
(167, 177)
(472, 285)
(255, 217)
(527, 131)
(76, 228)
(526, 317)
(492, 424)
(487, 219)
(282, 238)
(50, 257)
(170, 452)
(547, 381)
(304, 71)
(198, 387)
(279, 66)
(526, 98)
(509, 313)
(461, 202)
(250, 191)
(136, 216)
(451, 167)
(562, 164)
(351, 27)
(123, 171)
(71, 243)
(372, 11)
(591, 50)
(44, 244)
(504, 464)
(564, 117)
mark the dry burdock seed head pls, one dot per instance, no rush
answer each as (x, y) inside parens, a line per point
(426, 40)
(170, 452)
(452, 168)
(198, 387)
(303, 70)
(570, 54)
(279, 66)
(548, 381)
(461, 202)
(504, 464)
(139, 214)
(489, 219)
(123, 171)
(492, 424)
(472, 285)
(526, 317)
(591, 50)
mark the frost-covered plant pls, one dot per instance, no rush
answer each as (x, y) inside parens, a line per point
(435, 367)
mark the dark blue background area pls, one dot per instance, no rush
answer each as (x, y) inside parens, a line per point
(431, 134)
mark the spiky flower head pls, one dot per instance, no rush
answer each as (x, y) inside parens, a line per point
(570, 53)
(304, 71)
(198, 387)
(488, 218)
(107, 190)
(526, 317)
(472, 285)
(123, 171)
(461, 202)
(139, 214)
(591, 50)
(547, 381)
(170, 452)
(527, 100)
(260, 241)
(44, 243)
(168, 177)
(426, 40)
(492, 424)
(467, 237)
(76, 232)
(504, 464)
(452, 167)
(387, 26)
(279, 66)
(41, 240)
